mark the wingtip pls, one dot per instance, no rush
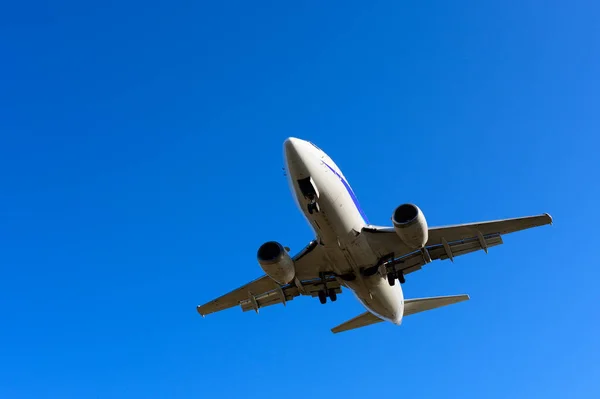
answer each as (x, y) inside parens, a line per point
(199, 311)
(549, 218)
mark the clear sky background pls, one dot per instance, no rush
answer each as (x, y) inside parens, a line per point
(141, 167)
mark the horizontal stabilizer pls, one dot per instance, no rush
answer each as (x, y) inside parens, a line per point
(365, 319)
(411, 306)
(417, 305)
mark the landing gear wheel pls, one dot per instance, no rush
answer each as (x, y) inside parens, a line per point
(313, 207)
(391, 279)
(332, 295)
(322, 297)
(401, 278)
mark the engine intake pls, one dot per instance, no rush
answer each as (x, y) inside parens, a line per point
(276, 262)
(410, 225)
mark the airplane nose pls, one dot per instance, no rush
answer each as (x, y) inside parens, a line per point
(292, 149)
(297, 158)
(290, 143)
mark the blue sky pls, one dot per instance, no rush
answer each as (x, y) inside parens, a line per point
(140, 169)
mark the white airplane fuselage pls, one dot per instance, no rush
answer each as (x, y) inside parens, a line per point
(315, 179)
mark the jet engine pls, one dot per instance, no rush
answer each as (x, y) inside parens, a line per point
(276, 262)
(410, 225)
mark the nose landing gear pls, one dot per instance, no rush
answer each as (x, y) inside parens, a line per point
(313, 206)
(310, 192)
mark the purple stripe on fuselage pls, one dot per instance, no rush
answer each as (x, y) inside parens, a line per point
(349, 189)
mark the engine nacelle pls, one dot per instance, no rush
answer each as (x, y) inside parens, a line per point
(410, 225)
(276, 262)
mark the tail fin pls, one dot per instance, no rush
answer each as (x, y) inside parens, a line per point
(411, 306)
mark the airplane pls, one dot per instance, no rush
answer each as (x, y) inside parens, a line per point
(347, 251)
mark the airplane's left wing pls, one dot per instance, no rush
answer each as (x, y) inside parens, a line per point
(445, 242)
(264, 291)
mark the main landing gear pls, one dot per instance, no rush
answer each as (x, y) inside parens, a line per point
(384, 263)
(397, 275)
(326, 292)
(329, 293)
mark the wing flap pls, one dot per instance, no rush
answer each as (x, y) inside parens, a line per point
(362, 320)
(418, 305)
(233, 298)
(445, 242)
(503, 226)
(415, 260)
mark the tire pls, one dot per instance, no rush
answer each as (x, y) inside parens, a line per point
(391, 279)
(401, 278)
(322, 297)
(332, 295)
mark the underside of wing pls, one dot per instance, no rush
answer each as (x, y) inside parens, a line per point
(265, 292)
(309, 263)
(233, 298)
(501, 227)
(445, 242)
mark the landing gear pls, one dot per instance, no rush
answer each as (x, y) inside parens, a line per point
(322, 297)
(401, 277)
(332, 295)
(313, 207)
(324, 294)
(309, 191)
(391, 279)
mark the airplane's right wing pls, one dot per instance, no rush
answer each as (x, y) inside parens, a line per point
(264, 291)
